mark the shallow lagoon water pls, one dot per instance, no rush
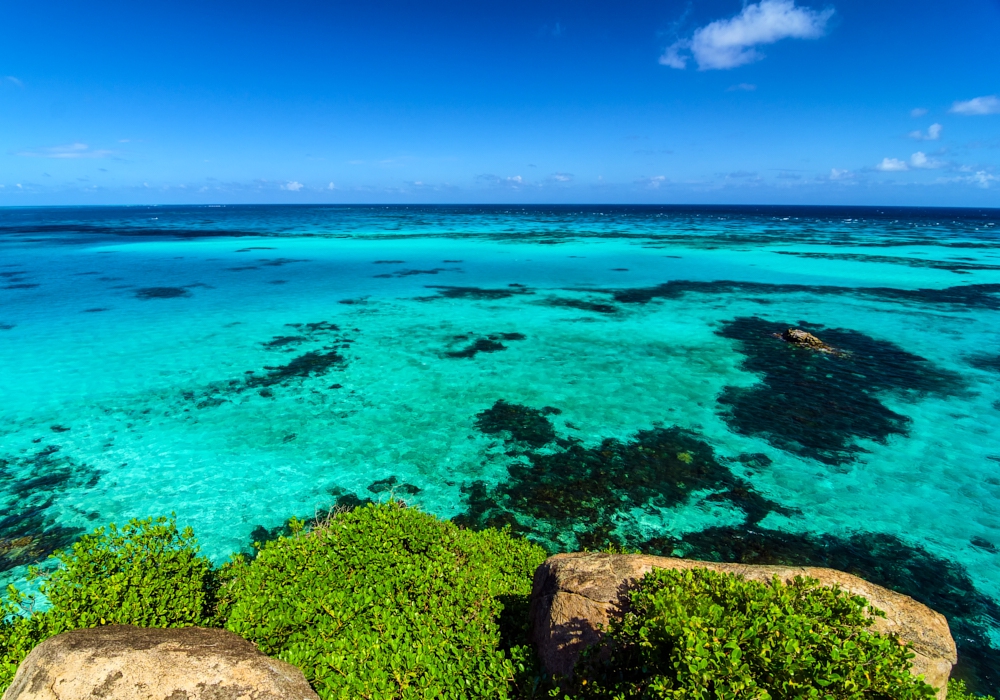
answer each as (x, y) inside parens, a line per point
(162, 359)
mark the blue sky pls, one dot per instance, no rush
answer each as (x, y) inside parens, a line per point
(717, 101)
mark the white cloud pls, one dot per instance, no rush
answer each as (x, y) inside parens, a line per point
(728, 43)
(891, 165)
(514, 183)
(652, 183)
(12, 79)
(744, 87)
(562, 177)
(920, 160)
(293, 186)
(837, 174)
(979, 105)
(918, 112)
(331, 186)
(933, 133)
(983, 179)
(73, 150)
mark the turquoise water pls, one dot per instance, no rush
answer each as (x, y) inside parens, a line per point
(646, 402)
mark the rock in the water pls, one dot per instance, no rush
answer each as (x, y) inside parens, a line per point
(120, 662)
(796, 336)
(574, 593)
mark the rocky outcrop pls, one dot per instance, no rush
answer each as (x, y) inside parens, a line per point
(803, 339)
(119, 662)
(574, 593)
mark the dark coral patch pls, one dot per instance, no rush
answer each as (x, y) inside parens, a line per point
(975, 296)
(990, 363)
(22, 285)
(411, 273)
(477, 293)
(490, 343)
(32, 487)
(522, 423)
(580, 304)
(573, 496)
(478, 346)
(161, 293)
(393, 485)
(817, 404)
(284, 341)
(961, 268)
(311, 364)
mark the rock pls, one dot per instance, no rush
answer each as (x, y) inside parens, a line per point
(120, 662)
(574, 593)
(806, 340)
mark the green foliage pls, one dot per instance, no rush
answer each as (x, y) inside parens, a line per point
(958, 691)
(388, 602)
(147, 573)
(704, 635)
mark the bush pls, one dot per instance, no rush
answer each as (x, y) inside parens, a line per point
(147, 573)
(387, 602)
(958, 691)
(703, 635)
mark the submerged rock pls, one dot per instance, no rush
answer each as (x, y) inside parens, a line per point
(133, 663)
(573, 594)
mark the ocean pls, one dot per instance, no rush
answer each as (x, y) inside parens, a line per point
(586, 375)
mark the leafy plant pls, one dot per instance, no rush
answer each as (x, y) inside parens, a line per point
(147, 573)
(702, 635)
(387, 602)
(957, 690)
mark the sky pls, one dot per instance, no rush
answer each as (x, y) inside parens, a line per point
(574, 101)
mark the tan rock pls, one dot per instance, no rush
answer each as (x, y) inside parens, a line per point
(119, 662)
(574, 593)
(799, 337)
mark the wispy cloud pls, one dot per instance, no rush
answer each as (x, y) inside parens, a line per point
(837, 174)
(933, 133)
(743, 87)
(728, 43)
(292, 186)
(976, 106)
(73, 150)
(515, 182)
(562, 177)
(920, 160)
(980, 178)
(12, 79)
(918, 112)
(892, 165)
(652, 183)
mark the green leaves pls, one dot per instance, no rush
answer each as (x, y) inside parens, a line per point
(147, 573)
(388, 602)
(700, 634)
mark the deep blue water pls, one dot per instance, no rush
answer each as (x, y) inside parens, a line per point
(584, 374)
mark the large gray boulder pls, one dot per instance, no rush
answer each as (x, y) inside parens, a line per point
(120, 662)
(574, 593)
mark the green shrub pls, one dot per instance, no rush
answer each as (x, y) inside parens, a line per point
(387, 602)
(703, 635)
(147, 573)
(958, 691)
